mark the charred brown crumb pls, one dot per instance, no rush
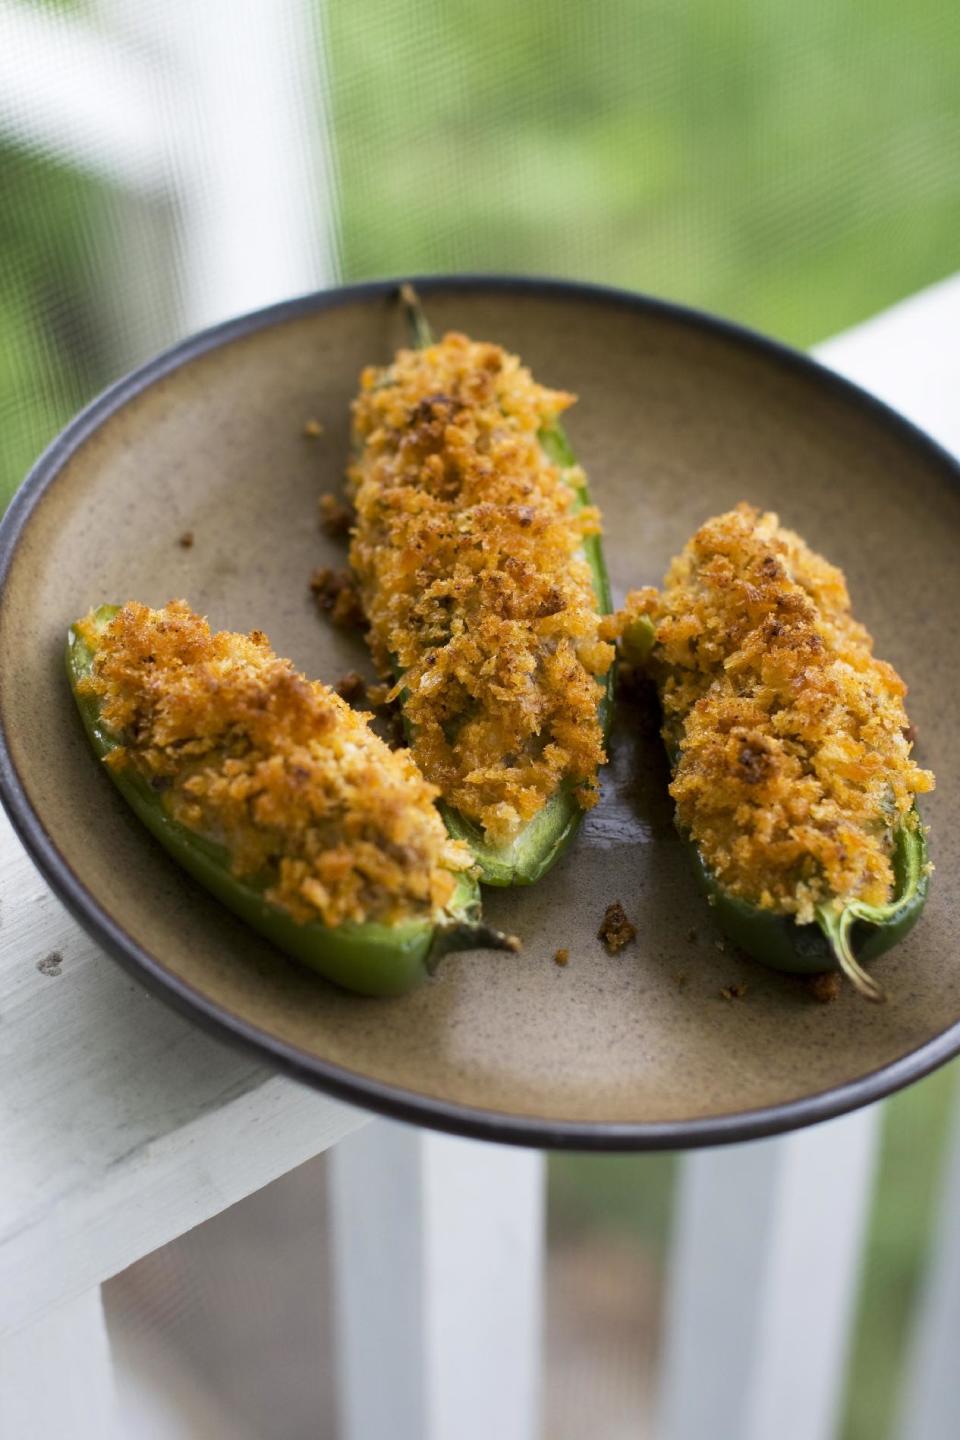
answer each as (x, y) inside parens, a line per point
(335, 516)
(736, 991)
(562, 957)
(616, 930)
(909, 733)
(351, 687)
(313, 429)
(336, 593)
(186, 540)
(432, 408)
(825, 988)
(754, 763)
(551, 604)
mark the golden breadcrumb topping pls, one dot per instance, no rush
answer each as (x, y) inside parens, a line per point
(276, 768)
(790, 741)
(468, 549)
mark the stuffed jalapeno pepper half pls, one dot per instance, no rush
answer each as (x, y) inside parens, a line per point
(476, 551)
(789, 745)
(276, 796)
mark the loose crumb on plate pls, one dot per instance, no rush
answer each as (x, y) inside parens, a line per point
(616, 930)
(562, 957)
(825, 988)
(351, 687)
(335, 517)
(736, 991)
(335, 592)
(186, 540)
(313, 429)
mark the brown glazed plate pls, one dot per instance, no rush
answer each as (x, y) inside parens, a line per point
(679, 417)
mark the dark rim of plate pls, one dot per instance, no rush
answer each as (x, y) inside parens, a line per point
(336, 1079)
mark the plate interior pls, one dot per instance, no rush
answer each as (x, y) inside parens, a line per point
(675, 422)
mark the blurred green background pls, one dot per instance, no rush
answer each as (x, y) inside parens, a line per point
(794, 167)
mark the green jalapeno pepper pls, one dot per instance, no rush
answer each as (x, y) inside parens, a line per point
(371, 958)
(842, 934)
(543, 839)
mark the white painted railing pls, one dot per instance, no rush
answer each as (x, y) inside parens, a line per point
(109, 1148)
(768, 1241)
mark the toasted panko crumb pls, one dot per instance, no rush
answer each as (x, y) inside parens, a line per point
(561, 957)
(335, 517)
(789, 739)
(468, 549)
(277, 768)
(616, 930)
(825, 988)
(335, 592)
(351, 687)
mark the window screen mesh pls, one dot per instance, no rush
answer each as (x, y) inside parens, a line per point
(165, 163)
(161, 164)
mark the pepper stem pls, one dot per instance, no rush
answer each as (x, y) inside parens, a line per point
(416, 319)
(837, 930)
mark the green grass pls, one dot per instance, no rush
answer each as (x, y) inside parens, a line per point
(789, 166)
(53, 354)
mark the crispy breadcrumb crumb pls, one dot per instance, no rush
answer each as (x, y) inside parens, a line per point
(468, 549)
(335, 517)
(336, 593)
(825, 988)
(275, 767)
(562, 957)
(789, 739)
(351, 687)
(615, 929)
(736, 991)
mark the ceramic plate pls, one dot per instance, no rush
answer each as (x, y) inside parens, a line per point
(679, 417)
